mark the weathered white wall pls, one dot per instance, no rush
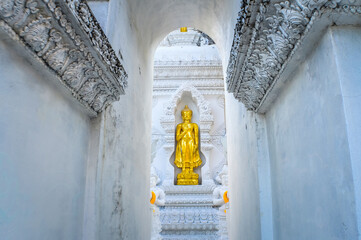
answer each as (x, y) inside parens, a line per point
(121, 206)
(247, 154)
(100, 11)
(347, 49)
(249, 166)
(312, 184)
(243, 173)
(43, 155)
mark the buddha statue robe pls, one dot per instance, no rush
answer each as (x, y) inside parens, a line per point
(187, 149)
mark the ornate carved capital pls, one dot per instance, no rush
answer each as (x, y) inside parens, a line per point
(266, 37)
(65, 37)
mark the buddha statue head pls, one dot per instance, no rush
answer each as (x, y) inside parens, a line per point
(187, 114)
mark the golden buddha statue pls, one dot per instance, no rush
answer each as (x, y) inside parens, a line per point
(187, 152)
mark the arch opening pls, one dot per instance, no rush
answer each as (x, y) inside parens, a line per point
(188, 71)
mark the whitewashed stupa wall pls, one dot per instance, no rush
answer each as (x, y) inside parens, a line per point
(201, 68)
(44, 139)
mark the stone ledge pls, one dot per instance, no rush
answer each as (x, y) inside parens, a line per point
(269, 43)
(65, 38)
(190, 235)
(189, 189)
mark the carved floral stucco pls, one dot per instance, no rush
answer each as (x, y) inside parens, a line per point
(267, 35)
(64, 37)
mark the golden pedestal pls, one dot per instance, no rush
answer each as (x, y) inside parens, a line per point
(187, 178)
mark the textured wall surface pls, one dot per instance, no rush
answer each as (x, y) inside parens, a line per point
(242, 162)
(346, 42)
(313, 191)
(100, 11)
(43, 154)
(121, 207)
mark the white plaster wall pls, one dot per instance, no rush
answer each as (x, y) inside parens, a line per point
(121, 207)
(242, 162)
(313, 191)
(347, 45)
(43, 155)
(100, 11)
(155, 19)
(187, 53)
(250, 217)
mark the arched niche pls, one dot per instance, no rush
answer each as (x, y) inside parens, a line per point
(202, 115)
(186, 99)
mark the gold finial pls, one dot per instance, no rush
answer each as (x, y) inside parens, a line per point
(183, 29)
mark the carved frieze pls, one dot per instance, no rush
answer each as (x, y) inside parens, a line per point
(187, 71)
(179, 218)
(66, 38)
(266, 36)
(205, 75)
(189, 210)
(204, 86)
(168, 122)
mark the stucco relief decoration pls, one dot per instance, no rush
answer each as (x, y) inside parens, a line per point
(206, 117)
(204, 109)
(266, 36)
(199, 218)
(205, 87)
(85, 17)
(48, 31)
(208, 79)
(189, 210)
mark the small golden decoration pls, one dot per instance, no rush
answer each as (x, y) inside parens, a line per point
(225, 197)
(183, 29)
(152, 200)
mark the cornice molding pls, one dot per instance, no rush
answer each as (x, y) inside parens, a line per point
(188, 62)
(186, 72)
(212, 86)
(168, 92)
(100, 42)
(188, 189)
(64, 37)
(267, 36)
